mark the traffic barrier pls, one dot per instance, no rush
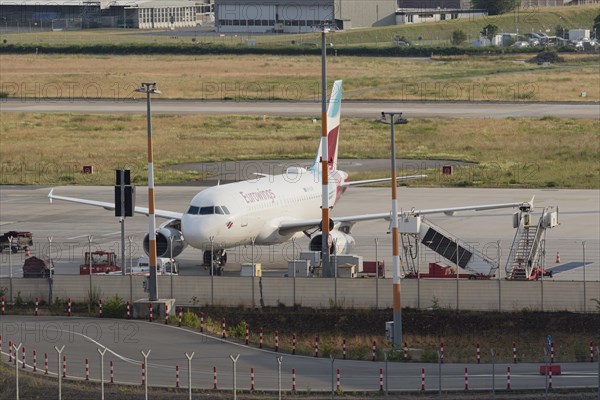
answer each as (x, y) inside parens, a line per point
(557, 257)
(294, 343)
(514, 353)
(478, 353)
(251, 379)
(466, 379)
(143, 374)
(422, 378)
(215, 378)
(381, 379)
(551, 352)
(201, 322)
(337, 387)
(0, 347)
(128, 310)
(507, 378)
(45, 363)
(180, 316)
(344, 349)
(177, 376)
(69, 306)
(549, 378)
(293, 380)
(260, 338)
(276, 341)
(34, 361)
(247, 334)
(166, 314)
(87, 370)
(442, 352)
(23, 358)
(223, 333)
(64, 371)
(2, 305)
(591, 351)
(316, 346)
(405, 352)
(100, 312)
(37, 306)
(150, 316)
(374, 355)
(112, 373)
(9, 351)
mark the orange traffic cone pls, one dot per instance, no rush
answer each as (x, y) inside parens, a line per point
(557, 257)
(27, 253)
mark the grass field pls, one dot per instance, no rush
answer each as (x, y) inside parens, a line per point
(546, 152)
(464, 78)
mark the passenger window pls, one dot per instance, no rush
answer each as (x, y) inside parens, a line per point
(193, 210)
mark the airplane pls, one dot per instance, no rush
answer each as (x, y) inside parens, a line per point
(270, 209)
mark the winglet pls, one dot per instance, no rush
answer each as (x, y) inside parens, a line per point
(50, 195)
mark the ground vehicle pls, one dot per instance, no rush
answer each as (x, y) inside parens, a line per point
(102, 262)
(164, 266)
(34, 267)
(20, 240)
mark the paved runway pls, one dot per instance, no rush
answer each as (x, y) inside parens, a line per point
(307, 109)
(27, 208)
(168, 344)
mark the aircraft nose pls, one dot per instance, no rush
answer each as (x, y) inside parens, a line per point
(198, 231)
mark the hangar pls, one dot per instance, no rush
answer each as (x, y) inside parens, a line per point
(292, 16)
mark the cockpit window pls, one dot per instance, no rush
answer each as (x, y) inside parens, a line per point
(225, 209)
(218, 210)
(207, 210)
(193, 210)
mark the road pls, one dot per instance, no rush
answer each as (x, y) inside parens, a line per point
(306, 109)
(168, 344)
(27, 208)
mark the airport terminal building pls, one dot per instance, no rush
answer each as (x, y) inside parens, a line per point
(293, 16)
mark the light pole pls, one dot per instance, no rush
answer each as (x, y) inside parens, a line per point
(150, 88)
(324, 162)
(395, 244)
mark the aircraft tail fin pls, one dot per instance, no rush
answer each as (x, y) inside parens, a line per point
(333, 128)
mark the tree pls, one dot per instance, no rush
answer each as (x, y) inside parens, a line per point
(458, 37)
(489, 31)
(495, 7)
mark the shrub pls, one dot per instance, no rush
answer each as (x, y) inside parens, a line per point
(190, 320)
(237, 331)
(114, 307)
(458, 37)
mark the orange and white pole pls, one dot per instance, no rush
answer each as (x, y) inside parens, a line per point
(150, 88)
(324, 163)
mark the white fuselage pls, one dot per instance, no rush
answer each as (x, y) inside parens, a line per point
(235, 214)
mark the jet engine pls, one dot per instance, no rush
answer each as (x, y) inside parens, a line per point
(341, 243)
(168, 230)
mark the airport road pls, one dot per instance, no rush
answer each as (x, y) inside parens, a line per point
(307, 108)
(168, 344)
(27, 208)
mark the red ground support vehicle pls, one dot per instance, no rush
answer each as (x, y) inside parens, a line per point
(102, 262)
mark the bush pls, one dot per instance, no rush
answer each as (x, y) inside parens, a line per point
(458, 37)
(237, 331)
(190, 320)
(546, 56)
(114, 307)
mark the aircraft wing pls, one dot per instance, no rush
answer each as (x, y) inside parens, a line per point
(111, 206)
(369, 181)
(302, 225)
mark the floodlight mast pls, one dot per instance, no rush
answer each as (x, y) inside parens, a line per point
(325, 240)
(397, 308)
(150, 88)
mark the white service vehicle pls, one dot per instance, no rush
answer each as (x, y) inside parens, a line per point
(164, 266)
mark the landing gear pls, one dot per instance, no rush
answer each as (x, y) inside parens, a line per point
(218, 259)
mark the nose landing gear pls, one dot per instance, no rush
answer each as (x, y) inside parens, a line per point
(218, 259)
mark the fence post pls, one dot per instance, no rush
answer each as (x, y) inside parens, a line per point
(101, 352)
(145, 373)
(17, 363)
(234, 361)
(58, 352)
(189, 357)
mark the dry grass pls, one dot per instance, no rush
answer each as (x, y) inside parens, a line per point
(504, 78)
(516, 152)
